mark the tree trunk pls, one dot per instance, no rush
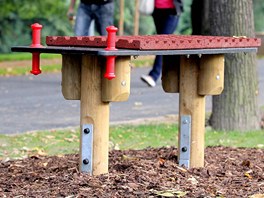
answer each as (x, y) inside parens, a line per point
(236, 108)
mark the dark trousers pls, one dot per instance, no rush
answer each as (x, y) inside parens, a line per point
(166, 22)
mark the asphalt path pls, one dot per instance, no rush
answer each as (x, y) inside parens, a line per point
(29, 103)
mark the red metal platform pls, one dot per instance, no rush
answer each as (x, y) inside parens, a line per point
(157, 42)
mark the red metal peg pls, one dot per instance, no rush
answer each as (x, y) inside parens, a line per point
(110, 60)
(36, 42)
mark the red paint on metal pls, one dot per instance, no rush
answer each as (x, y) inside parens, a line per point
(35, 64)
(36, 35)
(36, 42)
(110, 60)
(158, 42)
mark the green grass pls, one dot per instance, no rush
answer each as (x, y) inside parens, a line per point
(60, 142)
(142, 136)
(250, 139)
(16, 71)
(25, 56)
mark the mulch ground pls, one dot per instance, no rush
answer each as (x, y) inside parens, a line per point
(228, 172)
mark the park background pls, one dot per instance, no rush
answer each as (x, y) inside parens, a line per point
(16, 16)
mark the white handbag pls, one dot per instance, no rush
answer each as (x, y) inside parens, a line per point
(146, 7)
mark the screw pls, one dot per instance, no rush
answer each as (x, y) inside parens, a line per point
(123, 83)
(185, 122)
(86, 161)
(86, 131)
(184, 149)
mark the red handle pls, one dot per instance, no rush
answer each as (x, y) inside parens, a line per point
(110, 60)
(35, 63)
(110, 67)
(36, 39)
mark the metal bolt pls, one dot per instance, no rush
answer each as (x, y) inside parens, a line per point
(86, 131)
(185, 122)
(184, 149)
(85, 161)
(123, 83)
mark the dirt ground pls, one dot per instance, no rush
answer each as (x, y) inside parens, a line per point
(228, 172)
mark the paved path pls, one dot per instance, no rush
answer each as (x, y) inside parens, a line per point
(35, 102)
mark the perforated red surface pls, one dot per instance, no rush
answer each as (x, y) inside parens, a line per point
(157, 42)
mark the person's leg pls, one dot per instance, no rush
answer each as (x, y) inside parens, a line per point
(104, 16)
(165, 24)
(83, 20)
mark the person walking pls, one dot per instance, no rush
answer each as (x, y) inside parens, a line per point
(166, 16)
(101, 11)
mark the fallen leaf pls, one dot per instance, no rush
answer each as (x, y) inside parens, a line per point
(257, 196)
(182, 169)
(246, 163)
(126, 157)
(162, 162)
(45, 164)
(193, 180)
(248, 175)
(169, 193)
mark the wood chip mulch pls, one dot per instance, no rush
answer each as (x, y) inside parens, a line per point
(228, 172)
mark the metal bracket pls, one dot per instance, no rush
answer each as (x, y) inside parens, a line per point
(87, 148)
(185, 141)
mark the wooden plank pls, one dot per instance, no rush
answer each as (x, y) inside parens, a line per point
(211, 74)
(118, 89)
(190, 103)
(170, 74)
(71, 76)
(95, 112)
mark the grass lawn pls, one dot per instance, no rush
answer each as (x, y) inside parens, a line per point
(60, 142)
(16, 56)
(10, 63)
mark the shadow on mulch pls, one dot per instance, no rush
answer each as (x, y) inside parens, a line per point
(228, 172)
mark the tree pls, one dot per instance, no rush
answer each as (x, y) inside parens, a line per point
(16, 16)
(236, 108)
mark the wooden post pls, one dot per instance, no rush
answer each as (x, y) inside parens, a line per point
(118, 89)
(136, 18)
(71, 76)
(193, 105)
(170, 74)
(95, 112)
(211, 74)
(121, 18)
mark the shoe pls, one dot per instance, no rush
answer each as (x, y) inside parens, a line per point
(149, 80)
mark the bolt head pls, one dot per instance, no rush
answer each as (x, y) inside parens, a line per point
(184, 149)
(86, 131)
(85, 161)
(185, 122)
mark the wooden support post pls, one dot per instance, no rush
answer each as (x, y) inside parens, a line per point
(170, 74)
(95, 112)
(71, 76)
(193, 105)
(211, 75)
(118, 89)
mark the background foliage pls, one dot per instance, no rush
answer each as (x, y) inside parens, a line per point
(16, 16)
